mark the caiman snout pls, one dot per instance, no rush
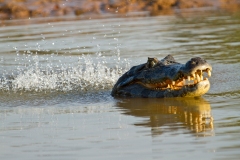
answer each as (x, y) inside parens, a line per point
(197, 63)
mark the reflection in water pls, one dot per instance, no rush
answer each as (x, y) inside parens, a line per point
(171, 114)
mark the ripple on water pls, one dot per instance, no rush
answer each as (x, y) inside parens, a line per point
(60, 105)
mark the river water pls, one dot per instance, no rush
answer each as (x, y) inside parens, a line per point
(56, 80)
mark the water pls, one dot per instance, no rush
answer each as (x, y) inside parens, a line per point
(56, 80)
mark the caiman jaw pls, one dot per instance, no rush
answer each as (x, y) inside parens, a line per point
(191, 80)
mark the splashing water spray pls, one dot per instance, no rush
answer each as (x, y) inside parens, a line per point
(86, 74)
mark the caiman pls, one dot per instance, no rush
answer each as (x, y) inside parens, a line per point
(165, 78)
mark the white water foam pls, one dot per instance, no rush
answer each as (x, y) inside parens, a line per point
(83, 76)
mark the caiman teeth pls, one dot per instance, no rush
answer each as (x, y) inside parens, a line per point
(209, 73)
(193, 76)
(188, 80)
(198, 78)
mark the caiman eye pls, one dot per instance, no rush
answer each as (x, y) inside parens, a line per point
(151, 62)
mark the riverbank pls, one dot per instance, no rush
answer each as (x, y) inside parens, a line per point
(25, 9)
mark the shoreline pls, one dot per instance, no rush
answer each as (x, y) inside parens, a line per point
(181, 13)
(28, 9)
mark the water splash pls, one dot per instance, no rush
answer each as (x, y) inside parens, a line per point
(84, 76)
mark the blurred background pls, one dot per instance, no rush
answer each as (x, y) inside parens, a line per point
(22, 9)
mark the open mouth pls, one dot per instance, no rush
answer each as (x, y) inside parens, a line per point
(190, 80)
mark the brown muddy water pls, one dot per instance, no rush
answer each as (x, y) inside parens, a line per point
(56, 80)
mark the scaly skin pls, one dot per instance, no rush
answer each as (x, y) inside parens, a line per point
(165, 78)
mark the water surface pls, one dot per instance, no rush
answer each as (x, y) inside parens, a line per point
(56, 80)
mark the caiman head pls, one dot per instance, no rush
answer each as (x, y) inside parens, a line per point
(165, 78)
